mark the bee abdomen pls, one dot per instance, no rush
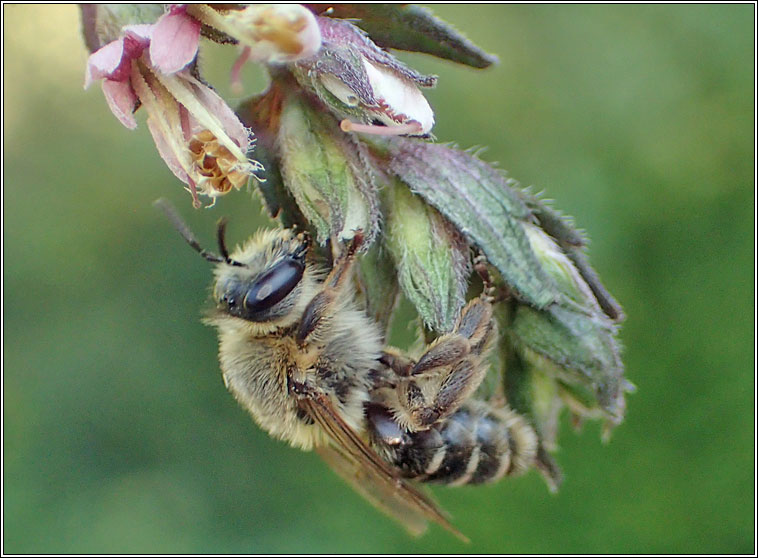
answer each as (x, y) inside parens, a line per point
(476, 444)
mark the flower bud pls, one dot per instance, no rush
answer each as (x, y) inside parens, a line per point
(482, 204)
(363, 84)
(378, 281)
(431, 257)
(534, 395)
(574, 335)
(323, 170)
(577, 348)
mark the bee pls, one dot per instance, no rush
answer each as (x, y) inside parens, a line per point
(311, 367)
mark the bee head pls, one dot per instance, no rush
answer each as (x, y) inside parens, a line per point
(260, 282)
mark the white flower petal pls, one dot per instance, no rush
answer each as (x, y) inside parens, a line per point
(402, 97)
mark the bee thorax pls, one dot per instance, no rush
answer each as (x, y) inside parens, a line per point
(260, 371)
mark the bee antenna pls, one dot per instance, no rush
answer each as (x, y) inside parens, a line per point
(220, 236)
(181, 227)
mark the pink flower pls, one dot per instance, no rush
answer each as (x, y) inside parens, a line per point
(198, 136)
(112, 64)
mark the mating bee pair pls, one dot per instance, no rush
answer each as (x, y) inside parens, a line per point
(311, 367)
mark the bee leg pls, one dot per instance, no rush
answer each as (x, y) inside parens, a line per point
(492, 293)
(421, 410)
(480, 266)
(447, 373)
(396, 361)
(319, 310)
(472, 332)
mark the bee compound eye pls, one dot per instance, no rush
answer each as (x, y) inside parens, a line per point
(273, 285)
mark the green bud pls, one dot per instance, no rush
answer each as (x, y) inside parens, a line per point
(379, 286)
(482, 204)
(577, 348)
(430, 255)
(535, 396)
(574, 340)
(512, 380)
(323, 170)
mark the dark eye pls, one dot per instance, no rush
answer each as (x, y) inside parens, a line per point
(273, 286)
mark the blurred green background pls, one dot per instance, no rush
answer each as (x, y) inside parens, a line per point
(119, 435)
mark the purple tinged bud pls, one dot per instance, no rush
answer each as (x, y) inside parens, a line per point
(363, 84)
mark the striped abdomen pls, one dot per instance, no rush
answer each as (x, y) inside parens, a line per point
(476, 444)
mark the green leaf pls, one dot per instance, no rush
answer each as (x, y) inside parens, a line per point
(481, 203)
(573, 241)
(415, 29)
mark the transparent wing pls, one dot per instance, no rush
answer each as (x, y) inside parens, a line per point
(414, 520)
(371, 476)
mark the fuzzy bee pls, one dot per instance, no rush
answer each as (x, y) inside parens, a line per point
(310, 366)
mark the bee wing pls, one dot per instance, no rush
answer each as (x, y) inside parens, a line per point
(370, 475)
(375, 491)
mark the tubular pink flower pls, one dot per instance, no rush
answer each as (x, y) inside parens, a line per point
(196, 133)
(198, 136)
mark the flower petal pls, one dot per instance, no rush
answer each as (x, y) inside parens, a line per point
(166, 152)
(174, 41)
(104, 62)
(403, 100)
(121, 100)
(113, 60)
(140, 32)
